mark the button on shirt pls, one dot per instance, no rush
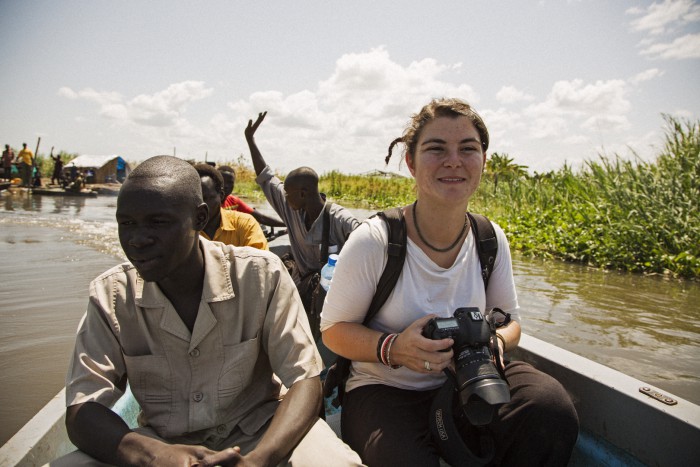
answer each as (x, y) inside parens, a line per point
(194, 387)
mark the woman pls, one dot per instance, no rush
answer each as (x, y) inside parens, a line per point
(391, 387)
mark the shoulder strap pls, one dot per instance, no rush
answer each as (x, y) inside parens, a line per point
(396, 255)
(486, 244)
(326, 232)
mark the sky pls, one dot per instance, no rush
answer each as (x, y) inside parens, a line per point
(555, 81)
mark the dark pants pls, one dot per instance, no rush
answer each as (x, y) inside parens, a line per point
(389, 426)
(25, 171)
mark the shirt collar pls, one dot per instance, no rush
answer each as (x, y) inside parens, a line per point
(217, 279)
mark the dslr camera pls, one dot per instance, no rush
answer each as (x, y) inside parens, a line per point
(479, 384)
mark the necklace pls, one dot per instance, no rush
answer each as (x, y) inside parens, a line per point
(434, 248)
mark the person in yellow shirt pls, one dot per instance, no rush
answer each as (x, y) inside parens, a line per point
(26, 163)
(229, 227)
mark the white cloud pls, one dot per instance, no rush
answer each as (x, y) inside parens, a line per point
(510, 95)
(67, 93)
(601, 96)
(165, 107)
(608, 122)
(352, 115)
(659, 18)
(684, 47)
(348, 120)
(646, 75)
(161, 109)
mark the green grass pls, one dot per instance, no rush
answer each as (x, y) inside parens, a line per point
(617, 214)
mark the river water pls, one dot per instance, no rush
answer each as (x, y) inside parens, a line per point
(51, 247)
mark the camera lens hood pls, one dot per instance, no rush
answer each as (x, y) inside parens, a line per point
(481, 398)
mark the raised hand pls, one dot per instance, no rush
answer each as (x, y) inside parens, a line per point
(253, 127)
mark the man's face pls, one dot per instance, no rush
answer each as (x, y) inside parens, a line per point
(212, 197)
(229, 182)
(295, 196)
(157, 228)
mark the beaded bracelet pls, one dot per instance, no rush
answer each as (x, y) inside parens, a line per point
(385, 351)
(379, 347)
(391, 340)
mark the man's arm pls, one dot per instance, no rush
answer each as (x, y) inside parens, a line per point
(267, 220)
(258, 161)
(102, 434)
(294, 417)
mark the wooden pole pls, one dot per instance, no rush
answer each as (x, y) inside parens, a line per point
(36, 153)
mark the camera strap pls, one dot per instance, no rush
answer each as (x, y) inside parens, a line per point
(338, 372)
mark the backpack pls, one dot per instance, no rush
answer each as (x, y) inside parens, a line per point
(487, 248)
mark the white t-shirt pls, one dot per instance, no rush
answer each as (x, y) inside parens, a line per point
(423, 288)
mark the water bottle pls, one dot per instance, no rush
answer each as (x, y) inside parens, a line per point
(327, 272)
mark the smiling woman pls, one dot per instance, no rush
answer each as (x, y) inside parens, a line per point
(397, 372)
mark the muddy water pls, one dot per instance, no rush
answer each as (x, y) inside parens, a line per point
(51, 247)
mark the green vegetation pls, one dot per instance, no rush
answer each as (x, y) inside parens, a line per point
(633, 216)
(627, 215)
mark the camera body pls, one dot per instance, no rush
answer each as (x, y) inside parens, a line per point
(479, 384)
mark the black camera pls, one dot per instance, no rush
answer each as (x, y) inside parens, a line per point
(479, 384)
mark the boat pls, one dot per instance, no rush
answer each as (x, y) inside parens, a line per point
(5, 185)
(62, 192)
(624, 421)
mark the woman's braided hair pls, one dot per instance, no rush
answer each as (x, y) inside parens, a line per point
(445, 107)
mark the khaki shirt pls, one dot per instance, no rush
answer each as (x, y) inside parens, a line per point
(195, 388)
(238, 229)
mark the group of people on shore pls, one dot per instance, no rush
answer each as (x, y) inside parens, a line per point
(30, 174)
(214, 337)
(24, 161)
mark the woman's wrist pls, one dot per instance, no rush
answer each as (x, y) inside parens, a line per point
(500, 337)
(384, 344)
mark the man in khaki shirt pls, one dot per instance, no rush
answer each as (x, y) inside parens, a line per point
(229, 227)
(198, 329)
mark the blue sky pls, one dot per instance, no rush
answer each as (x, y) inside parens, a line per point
(555, 81)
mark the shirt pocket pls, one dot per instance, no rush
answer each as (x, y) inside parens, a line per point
(237, 372)
(150, 381)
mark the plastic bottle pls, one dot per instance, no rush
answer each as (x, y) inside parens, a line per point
(327, 272)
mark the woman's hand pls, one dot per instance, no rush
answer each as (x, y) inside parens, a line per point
(419, 353)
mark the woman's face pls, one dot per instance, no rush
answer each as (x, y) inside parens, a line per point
(448, 160)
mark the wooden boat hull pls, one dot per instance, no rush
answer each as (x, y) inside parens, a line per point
(62, 192)
(619, 424)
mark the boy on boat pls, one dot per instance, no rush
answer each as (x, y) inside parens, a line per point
(202, 332)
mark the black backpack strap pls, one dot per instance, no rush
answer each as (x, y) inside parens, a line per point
(396, 251)
(486, 244)
(326, 232)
